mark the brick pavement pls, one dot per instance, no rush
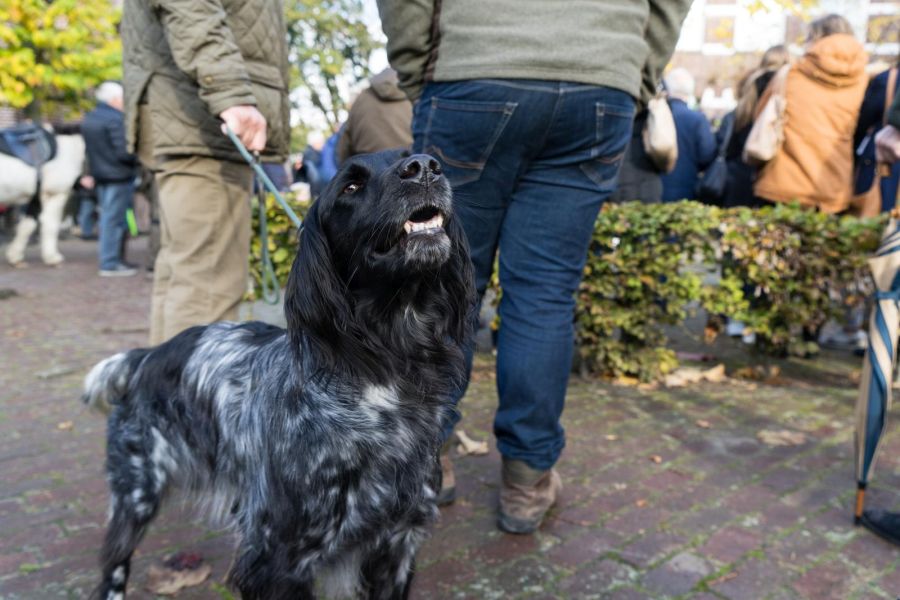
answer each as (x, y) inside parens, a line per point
(718, 514)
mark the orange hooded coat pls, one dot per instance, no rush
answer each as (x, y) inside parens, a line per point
(824, 91)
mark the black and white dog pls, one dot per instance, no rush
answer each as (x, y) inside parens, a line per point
(318, 443)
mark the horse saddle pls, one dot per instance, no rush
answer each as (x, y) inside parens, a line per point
(28, 142)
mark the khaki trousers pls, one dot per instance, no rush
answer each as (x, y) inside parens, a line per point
(201, 271)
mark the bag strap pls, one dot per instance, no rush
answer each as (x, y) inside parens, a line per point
(779, 81)
(726, 139)
(889, 97)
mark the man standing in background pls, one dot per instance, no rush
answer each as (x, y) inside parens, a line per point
(113, 169)
(528, 105)
(189, 66)
(696, 142)
(378, 120)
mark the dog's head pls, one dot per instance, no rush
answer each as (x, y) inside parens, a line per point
(387, 215)
(380, 243)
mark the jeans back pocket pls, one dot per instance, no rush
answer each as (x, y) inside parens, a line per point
(462, 134)
(612, 126)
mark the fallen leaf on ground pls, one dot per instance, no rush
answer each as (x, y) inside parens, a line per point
(656, 458)
(715, 374)
(766, 373)
(641, 503)
(688, 375)
(57, 371)
(703, 423)
(724, 578)
(65, 425)
(468, 446)
(610, 437)
(781, 438)
(167, 582)
(626, 381)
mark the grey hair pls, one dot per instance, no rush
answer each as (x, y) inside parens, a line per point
(828, 25)
(108, 91)
(680, 84)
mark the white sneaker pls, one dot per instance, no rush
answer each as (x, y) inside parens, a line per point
(118, 271)
(734, 328)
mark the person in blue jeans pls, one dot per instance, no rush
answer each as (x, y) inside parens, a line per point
(87, 206)
(114, 170)
(529, 107)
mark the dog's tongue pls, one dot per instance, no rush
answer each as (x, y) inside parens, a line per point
(435, 222)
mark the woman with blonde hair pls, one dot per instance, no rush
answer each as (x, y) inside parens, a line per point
(823, 91)
(735, 127)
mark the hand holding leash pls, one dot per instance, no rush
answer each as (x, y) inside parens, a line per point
(249, 125)
(269, 281)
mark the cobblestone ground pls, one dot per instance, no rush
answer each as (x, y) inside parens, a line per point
(669, 493)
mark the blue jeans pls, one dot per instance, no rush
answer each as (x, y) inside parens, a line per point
(86, 215)
(531, 163)
(115, 198)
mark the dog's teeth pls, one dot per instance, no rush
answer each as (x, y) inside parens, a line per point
(431, 224)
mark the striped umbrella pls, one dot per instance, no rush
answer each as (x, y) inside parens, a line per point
(875, 385)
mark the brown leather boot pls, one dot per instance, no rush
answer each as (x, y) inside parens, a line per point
(526, 495)
(448, 479)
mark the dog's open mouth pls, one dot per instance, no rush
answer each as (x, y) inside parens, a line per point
(426, 220)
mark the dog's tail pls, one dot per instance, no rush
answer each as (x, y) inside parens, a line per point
(107, 382)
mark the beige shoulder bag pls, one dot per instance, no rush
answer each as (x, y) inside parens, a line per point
(767, 133)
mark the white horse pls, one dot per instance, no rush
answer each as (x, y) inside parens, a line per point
(17, 186)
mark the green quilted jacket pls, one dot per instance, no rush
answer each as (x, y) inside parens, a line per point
(189, 60)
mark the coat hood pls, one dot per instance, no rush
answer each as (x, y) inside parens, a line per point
(837, 60)
(384, 85)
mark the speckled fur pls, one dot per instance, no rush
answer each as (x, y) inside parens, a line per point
(317, 444)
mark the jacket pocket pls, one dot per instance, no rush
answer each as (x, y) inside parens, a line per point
(462, 135)
(612, 128)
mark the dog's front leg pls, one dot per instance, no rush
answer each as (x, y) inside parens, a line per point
(387, 573)
(256, 576)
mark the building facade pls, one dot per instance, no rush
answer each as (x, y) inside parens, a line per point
(722, 39)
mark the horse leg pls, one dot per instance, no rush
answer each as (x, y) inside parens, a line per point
(52, 206)
(15, 252)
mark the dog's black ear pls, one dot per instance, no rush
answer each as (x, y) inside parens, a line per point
(460, 284)
(316, 304)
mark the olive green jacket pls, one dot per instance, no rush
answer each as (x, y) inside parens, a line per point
(623, 44)
(189, 60)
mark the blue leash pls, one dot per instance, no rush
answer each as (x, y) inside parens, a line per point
(268, 279)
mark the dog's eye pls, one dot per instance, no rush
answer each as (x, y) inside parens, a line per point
(352, 188)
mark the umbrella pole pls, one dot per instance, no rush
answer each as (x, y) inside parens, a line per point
(860, 500)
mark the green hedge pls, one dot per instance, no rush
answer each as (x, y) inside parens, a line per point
(780, 269)
(282, 241)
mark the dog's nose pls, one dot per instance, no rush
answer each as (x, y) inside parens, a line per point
(419, 168)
